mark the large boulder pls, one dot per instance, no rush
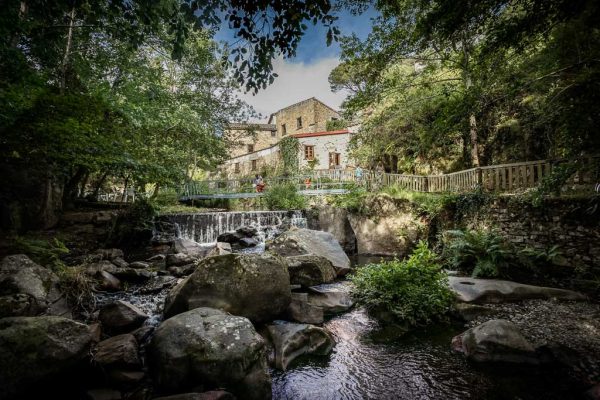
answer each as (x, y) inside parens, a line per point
(390, 227)
(121, 316)
(332, 298)
(300, 310)
(212, 349)
(255, 286)
(188, 247)
(33, 349)
(28, 289)
(335, 221)
(472, 290)
(291, 340)
(118, 351)
(495, 340)
(310, 270)
(245, 236)
(297, 242)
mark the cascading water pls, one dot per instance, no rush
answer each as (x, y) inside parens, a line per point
(206, 227)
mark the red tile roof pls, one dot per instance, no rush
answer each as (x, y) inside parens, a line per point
(326, 133)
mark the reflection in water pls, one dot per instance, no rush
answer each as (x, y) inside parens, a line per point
(373, 363)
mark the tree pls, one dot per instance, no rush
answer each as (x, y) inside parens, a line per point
(498, 78)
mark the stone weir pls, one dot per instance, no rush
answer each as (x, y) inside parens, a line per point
(206, 227)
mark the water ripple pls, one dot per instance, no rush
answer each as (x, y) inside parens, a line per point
(369, 364)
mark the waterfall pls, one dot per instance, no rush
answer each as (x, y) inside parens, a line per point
(206, 227)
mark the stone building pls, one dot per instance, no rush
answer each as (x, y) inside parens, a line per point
(310, 115)
(248, 138)
(254, 147)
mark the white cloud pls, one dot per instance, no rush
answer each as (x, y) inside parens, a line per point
(296, 82)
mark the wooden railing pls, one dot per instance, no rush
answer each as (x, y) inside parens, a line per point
(494, 178)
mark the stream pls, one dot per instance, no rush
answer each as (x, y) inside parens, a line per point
(371, 361)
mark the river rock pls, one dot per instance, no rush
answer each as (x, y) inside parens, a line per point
(297, 242)
(188, 247)
(291, 340)
(300, 310)
(134, 275)
(472, 290)
(157, 284)
(220, 249)
(118, 351)
(309, 270)
(255, 286)
(495, 340)
(210, 347)
(102, 265)
(110, 254)
(121, 316)
(108, 282)
(33, 349)
(210, 395)
(119, 262)
(139, 265)
(28, 289)
(179, 259)
(335, 221)
(184, 270)
(331, 298)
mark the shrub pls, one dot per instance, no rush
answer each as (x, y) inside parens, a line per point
(284, 197)
(78, 288)
(427, 203)
(481, 253)
(165, 197)
(351, 201)
(414, 291)
(133, 227)
(44, 252)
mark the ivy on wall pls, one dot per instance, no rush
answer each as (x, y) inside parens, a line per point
(289, 148)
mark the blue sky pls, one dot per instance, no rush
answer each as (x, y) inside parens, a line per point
(306, 74)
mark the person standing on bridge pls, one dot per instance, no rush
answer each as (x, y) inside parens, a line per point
(260, 184)
(358, 174)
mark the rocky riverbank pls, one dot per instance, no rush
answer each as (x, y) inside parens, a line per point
(224, 319)
(208, 323)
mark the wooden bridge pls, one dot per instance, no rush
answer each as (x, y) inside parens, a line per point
(495, 178)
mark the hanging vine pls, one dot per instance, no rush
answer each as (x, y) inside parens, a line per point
(289, 148)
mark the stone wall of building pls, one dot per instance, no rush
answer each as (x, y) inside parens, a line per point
(314, 116)
(251, 164)
(323, 145)
(260, 136)
(322, 115)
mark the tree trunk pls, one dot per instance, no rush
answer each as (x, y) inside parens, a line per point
(84, 181)
(155, 192)
(65, 61)
(474, 140)
(473, 136)
(14, 42)
(99, 185)
(70, 189)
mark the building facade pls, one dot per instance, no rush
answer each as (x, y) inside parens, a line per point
(254, 147)
(248, 138)
(307, 116)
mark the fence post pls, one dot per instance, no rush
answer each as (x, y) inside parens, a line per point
(479, 177)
